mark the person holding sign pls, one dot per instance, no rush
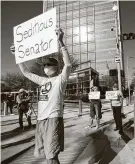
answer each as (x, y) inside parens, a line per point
(95, 106)
(49, 139)
(116, 105)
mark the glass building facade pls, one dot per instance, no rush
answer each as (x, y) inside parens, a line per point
(90, 32)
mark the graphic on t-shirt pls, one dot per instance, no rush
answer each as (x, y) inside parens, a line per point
(46, 88)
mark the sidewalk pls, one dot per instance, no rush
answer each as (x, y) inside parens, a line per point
(78, 139)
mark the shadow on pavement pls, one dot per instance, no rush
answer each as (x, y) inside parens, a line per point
(17, 143)
(129, 129)
(98, 150)
(101, 150)
(14, 132)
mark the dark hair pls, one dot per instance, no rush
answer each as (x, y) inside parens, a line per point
(51, 62)
(115, 85)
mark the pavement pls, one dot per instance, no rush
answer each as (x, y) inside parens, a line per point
(82, 145)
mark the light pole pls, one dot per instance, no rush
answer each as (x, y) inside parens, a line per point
(128, 79)
(116, 8)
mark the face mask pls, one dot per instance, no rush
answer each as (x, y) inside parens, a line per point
(49, 70)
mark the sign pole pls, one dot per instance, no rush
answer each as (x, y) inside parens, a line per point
(134, 110)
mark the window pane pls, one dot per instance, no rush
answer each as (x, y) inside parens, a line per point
(83, 4)
(83, 20)
(69, 31)
(83, 12)
(90, 19)
(90, 11)
(83, 47)
(83, 29)
(76, 5)
(69, 7)
(69, 48)
(69, 40)
(91, 56)
(76, 39)
(91, 47)
(69, 23)
(83, 57)
(62, 24)
(76, 48)
(75, 14)
(90, 28)
(69, 14)
(62, 8)
(76, 22)
(62, 16)
(76, 30)
(90, 37)
(84, 37)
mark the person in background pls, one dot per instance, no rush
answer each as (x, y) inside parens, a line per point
(116, 107)
(95, 109)
(23, 107)
(10, 102)
(49, 140)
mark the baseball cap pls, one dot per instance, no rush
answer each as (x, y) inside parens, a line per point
(51, 61)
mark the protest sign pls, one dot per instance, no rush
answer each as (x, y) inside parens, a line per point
(111, 95)
(94, 95)
(36, 37)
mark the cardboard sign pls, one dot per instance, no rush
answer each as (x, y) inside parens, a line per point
(94, 95)
(111, 95)
(36, 37)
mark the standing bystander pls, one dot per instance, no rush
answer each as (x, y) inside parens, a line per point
(23, 107)
(116, 105)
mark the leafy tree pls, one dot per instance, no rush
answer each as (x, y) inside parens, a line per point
(15, 82)
(109, 80)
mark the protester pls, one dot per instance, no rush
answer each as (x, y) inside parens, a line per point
(95, 109)
(116, 105)
(23, 108)
(50, 129)
(10, 102)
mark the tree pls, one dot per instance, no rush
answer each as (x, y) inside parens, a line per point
(109, 80)
(15, 81)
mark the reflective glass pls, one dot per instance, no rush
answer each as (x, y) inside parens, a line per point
(76, 22)
(76, 30)
(76, 48)
(75, 39)
(69, 31)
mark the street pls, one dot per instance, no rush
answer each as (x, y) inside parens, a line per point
(81, 144)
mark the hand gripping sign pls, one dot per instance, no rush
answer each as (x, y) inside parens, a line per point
(36, 37)
(94, 95)
(111, 95)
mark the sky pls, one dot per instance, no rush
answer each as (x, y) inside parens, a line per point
(16, 12)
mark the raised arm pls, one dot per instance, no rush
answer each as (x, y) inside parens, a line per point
(26, 72)
(66, 58)
(31, 76)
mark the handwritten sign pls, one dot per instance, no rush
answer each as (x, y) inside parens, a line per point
(36, 37)
(94, 95)
(111, 95)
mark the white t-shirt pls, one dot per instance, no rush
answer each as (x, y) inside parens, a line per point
(51, 91)
(51, 98)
